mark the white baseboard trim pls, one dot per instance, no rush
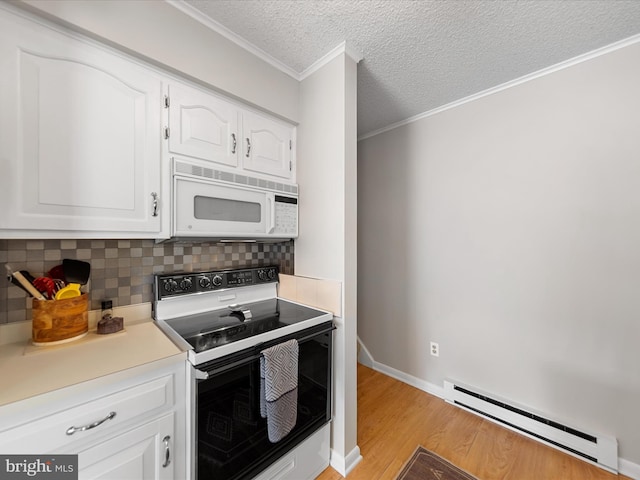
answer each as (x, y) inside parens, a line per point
(364, 356)
(344, 465)
(625, 467)
(423, 385)
(630, 469)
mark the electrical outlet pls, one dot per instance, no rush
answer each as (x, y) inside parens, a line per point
(435, 349)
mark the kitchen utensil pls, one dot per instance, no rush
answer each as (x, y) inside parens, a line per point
(70, 291)
(46, 285)
(33, 291)
(22, 280)
(59, 284)
(77, 273)
(57, 272)
(10, 277)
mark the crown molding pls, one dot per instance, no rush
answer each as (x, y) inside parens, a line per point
(512, 83)
(351, 52)
(217, 27)
(233, 37)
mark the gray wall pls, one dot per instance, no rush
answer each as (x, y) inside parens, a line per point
(507, 229)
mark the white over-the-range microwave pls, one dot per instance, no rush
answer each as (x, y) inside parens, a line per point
(220, 205)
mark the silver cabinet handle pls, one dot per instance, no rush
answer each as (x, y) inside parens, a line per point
(248, 148)
(72, 430)
(233, 140)
(167, 452)
(154, 212)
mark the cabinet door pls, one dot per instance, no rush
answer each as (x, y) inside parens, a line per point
(80, 134)
(267, 146)
(144, 453)
(202, 126)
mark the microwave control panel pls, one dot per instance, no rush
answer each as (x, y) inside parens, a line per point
(286, 216)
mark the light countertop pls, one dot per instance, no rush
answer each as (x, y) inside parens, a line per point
(28, 370)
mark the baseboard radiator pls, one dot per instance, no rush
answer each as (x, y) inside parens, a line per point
(597, 449)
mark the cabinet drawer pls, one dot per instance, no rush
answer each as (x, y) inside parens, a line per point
(305, 462)
(89, 420)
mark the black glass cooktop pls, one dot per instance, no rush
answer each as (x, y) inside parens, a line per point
(208, 330)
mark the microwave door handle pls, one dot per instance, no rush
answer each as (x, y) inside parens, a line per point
(271, 212)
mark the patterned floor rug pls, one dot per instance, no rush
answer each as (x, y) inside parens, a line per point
(426, 465)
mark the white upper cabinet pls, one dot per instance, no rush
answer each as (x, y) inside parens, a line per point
(267, 145)
(202, 126)
(80, 137)
(207, 127)
(87, 134)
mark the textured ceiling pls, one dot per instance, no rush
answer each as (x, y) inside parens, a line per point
(419, 55)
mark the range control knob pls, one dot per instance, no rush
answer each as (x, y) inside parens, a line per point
(170, 285)
(205, 282)
(186, 284)
(272, 274)
(262, 275)
(217, 280)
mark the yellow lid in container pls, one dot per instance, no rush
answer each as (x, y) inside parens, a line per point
(70, 291)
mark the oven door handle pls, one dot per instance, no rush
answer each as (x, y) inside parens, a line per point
(207, 374)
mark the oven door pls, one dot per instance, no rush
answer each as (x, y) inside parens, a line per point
(232, 440)
(213, 209)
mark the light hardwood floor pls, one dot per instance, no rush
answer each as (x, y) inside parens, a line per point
(394, 418)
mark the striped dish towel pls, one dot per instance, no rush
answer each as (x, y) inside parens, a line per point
(279, 388)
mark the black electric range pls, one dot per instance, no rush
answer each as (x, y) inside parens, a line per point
(215, 313)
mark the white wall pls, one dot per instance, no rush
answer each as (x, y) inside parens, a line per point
(508, 230)
(321, 173)
(326, 247)
(164, 35)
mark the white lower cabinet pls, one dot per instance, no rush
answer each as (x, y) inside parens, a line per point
(142, 453)
(126, 426)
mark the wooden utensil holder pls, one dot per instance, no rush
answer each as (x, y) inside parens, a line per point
(60, 321)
